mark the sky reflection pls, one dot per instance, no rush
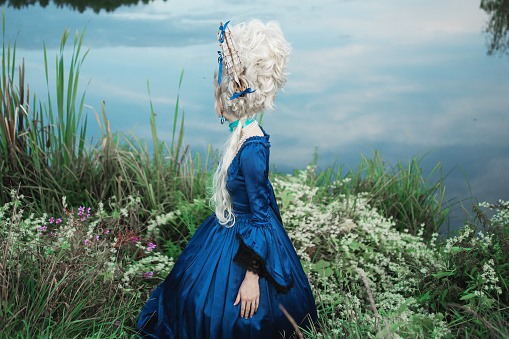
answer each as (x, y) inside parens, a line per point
(402, 77)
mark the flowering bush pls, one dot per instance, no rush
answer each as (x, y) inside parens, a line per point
(474, 278)
(59, 262)
(339, 238)
(93, 235)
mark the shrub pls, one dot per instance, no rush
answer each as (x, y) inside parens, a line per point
(73, 274)
(340, 239)
(474, 283)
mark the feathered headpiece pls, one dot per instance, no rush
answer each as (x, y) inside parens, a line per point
(230, 56)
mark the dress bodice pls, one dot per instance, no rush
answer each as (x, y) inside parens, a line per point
(248, 180)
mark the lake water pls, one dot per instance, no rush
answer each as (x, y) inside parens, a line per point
(403, 77)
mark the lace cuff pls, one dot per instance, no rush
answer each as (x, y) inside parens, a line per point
(247, 258)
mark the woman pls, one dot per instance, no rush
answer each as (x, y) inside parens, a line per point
(240, 265)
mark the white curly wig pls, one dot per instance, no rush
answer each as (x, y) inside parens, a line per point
(264, 53)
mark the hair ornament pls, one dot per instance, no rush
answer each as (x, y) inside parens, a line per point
(222, 31)
(230, 56)
(238, 94)
(220, 61)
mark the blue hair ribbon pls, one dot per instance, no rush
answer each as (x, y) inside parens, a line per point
(236, 95)
(220, 61)
(222, 29)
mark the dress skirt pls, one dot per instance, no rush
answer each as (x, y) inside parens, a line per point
(196, 299)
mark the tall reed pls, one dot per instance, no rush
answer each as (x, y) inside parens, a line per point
(13, 106)
(44, 152)
(64, 142)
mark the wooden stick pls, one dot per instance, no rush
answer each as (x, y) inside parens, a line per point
(292, 321)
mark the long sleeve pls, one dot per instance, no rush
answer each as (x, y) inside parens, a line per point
(254, 167)
(258, 242)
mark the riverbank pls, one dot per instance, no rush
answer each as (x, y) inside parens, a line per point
(88, 272)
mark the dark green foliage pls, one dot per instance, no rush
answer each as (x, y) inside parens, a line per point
(79, 5)
(401, 192)
(415, 202)
(190, 215)
(455, 290)
(498, 25)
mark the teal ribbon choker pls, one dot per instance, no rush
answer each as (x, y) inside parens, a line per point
(236, 122)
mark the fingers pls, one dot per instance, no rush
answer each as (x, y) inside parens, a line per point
(252, 309)
(237, 300)
(247, 309)
(243, 313)
(254, 306)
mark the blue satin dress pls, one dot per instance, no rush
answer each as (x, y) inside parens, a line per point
(196, 299)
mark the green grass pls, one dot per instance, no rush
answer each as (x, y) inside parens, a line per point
(44, 153)
(417, 203)
(58, 288)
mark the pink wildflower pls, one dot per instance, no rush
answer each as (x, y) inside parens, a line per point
(147, 275)
(86, 242)
(42, 228)
(107, 231)
(51, 220)
(52, 234)
(96, 237)
(83, 219)
(58, 220)
(151, 246)
(88, 210)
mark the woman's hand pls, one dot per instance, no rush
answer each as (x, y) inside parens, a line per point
(249, 294)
